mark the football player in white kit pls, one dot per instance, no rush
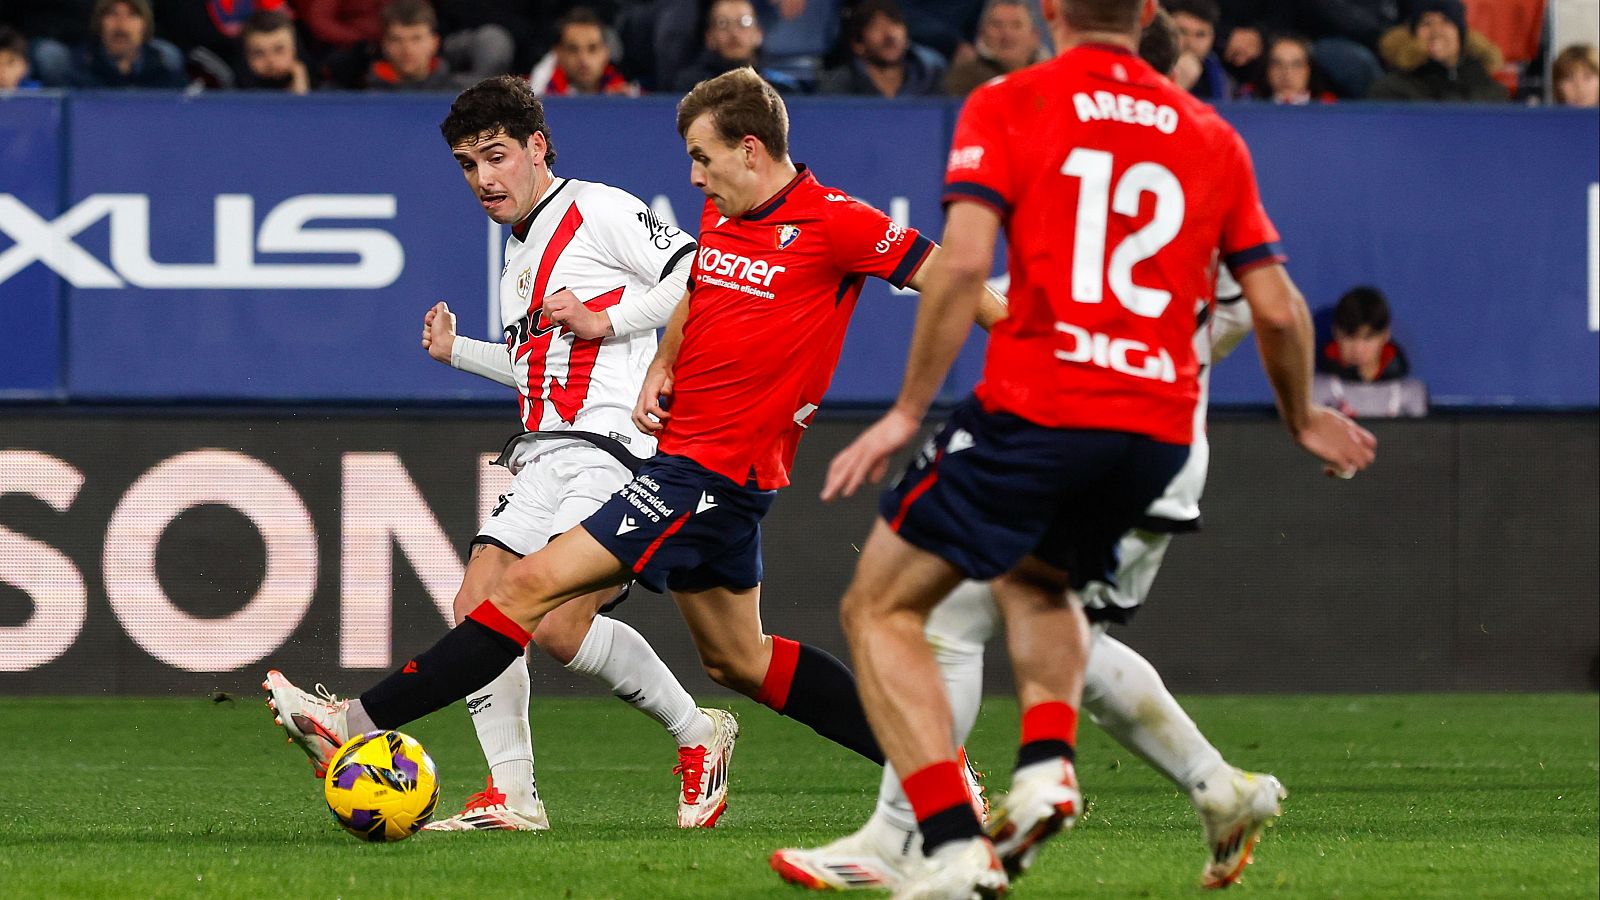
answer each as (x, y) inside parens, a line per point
(1122, 692)
(590, 274)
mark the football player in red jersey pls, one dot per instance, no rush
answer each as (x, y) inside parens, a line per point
(743, 365)
(1083, 415)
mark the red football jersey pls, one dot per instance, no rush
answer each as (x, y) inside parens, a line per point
(1116, 189)
(772, 292)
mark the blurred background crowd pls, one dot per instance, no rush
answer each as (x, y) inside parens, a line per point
(1267, 51)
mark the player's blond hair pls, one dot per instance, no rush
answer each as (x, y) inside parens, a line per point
(741, 103)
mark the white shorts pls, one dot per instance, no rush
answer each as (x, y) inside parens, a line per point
(556, 490)
(1139, 556)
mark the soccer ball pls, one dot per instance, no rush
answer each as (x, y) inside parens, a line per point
(381, 786)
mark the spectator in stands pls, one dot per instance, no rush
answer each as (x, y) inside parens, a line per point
(733, 39)
(481, 37)
(1446, 71)
(1290, 76)
(883, 61)
(14, 61)
(1007, 41)
(208, 32)
(271, 55)
(121, 52)
(946, 26)
(1343, 34)
(1362, 371)
(581, 62)
(410, 47)
(1575, 76)
(1197, 35)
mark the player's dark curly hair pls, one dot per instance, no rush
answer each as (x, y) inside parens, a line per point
(1158, 43)
(502, 102)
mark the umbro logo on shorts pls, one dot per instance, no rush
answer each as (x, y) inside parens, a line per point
(628, 524)
(706, 502)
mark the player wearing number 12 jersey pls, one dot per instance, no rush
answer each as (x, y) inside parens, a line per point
(1115, 189)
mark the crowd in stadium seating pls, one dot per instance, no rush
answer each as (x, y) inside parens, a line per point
(1308, 51)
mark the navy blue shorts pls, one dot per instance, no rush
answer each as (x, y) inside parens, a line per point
(992, 488)
(680, 526)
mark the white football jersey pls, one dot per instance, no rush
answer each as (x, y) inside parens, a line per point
(1221, 331)
(601, 243)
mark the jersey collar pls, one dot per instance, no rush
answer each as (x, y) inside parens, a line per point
(520, 230)
(802, 175)
(1105, 48)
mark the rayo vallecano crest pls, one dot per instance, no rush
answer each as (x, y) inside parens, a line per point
(525, 283)
(786, 235)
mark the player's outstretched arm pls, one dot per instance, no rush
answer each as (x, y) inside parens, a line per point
(482, 358)
(1284, 335)
(951, 286)
(991, 304)
(651, 413)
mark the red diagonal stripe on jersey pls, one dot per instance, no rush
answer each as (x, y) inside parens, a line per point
(568, 398)
(538, 346)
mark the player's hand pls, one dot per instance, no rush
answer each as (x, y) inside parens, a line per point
(650, 413)
(867, 457)
(565, 309)
(439, 332)
(1186, 71)
(1345, 447)
(1244, 47)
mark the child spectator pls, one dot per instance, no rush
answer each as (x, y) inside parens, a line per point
(14, 61)
(1290, 76)
(581, 61)
(271, 55)
(1362, 371)
(1575, 76)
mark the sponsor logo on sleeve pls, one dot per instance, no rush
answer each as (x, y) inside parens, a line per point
(965, 158)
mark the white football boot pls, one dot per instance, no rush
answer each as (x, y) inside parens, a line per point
(314, 721)
(489, 810)
(960, 870)
(1044, 799)
(877, 857)
(1234, 813)
(704, 773)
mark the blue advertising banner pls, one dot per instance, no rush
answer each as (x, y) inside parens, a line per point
(249, 248)
(1479, 224)
(31, 245)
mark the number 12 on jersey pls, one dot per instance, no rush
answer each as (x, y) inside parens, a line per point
(1097, 199)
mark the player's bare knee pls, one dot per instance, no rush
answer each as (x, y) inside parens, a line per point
(525, 590)
(559, 638)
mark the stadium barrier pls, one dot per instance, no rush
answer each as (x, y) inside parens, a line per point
(165, 553)
(155, 247)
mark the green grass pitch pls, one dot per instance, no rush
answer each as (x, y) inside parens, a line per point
(1390, 796)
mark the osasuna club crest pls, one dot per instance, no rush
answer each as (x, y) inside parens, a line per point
(787, 234)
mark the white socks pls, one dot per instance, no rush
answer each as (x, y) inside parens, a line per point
(500, 714)
(1124, 695)
(618, 657)
(957, 628)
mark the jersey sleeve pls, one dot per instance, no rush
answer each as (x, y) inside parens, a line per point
(864, 241)
(978, 168)
(634, 237)
(1248, 236)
